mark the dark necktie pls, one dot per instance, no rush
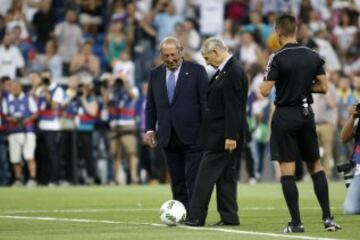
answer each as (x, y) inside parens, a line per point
(215, 76)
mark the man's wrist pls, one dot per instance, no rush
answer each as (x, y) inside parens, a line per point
(150, 131)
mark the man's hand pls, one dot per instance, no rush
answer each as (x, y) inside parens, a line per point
(230, 145)
(150, 138)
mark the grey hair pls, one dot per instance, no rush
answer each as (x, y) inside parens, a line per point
(213, 43)
(171, 40)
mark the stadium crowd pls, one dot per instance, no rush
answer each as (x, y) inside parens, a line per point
(74, 79)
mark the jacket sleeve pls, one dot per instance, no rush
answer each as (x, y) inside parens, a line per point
(150, 109)
(235, 95)
(202, 90)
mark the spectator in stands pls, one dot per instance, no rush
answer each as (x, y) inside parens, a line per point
(50, 104)
(230, 35)
(115, 42)
(85, 64)
(35, 85)
(143, 48)
(345, 101)
(356, 91)
(11, 59)
(249, 51)
(304, 36)
(24, 45)
(166, 21)
(236, 11)
(4, 167)
(325, 110)
(16, 17)
(344, 32)
(69, 36)
(261, 31)
(121, 107)
(90, 15)
(20, 111)
(261, 112)
(50, 60)
(304, 12)
(326, 50)
(126, 67)
(43, 24)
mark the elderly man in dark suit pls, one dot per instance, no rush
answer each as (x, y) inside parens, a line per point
(175, 108)
(222, 135)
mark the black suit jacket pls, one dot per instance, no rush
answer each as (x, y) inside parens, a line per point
(226, 108)
(186, 112)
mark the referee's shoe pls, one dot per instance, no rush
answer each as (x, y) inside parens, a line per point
(330, 225)
(294, 228)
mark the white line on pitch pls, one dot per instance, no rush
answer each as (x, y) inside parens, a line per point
(95, 210)
(234, 231)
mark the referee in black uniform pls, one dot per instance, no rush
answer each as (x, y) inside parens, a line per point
(297, 72)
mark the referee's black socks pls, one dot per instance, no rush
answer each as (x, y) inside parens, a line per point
(321, 189)
(291, 195)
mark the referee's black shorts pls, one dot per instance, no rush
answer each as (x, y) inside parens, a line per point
(293, 136)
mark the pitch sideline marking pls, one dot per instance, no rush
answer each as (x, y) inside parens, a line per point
(94, 210)
(240, 232)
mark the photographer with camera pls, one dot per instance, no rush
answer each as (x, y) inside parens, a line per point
(50, 103)
(351, 130)
(121, 110)
(20, 112)
(85, 120)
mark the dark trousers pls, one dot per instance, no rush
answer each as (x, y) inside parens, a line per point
(4, 164)
(48, 154)
(66, 166)
(85, 154)
(219, 169)
(183, 162)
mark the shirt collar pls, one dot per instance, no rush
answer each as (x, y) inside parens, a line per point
(176, 70)
(222, 65)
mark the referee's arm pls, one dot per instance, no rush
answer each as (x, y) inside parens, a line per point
(320, 84)
(271, 75)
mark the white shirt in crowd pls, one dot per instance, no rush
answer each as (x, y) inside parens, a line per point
(345, 36)
(10, 60)
(69, 38)
(128, 68)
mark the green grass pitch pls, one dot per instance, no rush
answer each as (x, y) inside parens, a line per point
(132, 212)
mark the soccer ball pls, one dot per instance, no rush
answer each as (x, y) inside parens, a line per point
(172, 212)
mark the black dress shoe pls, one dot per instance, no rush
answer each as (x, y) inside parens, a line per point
(194, 223)
(222, 223)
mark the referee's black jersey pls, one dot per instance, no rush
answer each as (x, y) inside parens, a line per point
(294, 68)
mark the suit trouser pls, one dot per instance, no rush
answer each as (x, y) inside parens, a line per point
(183, 162)
(219, 169)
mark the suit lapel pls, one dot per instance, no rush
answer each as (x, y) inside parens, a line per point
(221, 75)
(163, 83)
